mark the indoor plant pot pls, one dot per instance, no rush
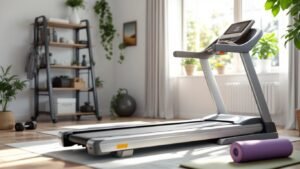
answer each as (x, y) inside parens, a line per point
(220, 70)
(74, 5)
(189, 65)
(74, 16)
(264, 65)
(7, 120)
(9, 87)
(189, 69)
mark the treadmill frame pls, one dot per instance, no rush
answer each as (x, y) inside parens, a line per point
(242, 129)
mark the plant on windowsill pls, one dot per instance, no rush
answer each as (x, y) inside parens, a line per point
(189, 65)
(265, 50)
(10, 85)
(74, 5)
(293, 7)
(219, 62)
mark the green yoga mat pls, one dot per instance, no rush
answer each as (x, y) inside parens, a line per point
(225, 162)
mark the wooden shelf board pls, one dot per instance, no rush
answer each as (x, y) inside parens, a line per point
(68, 67)
(69, 89)
(70, 114)
(65, 45)
(65, 89)
(76, 114)
(65, 25)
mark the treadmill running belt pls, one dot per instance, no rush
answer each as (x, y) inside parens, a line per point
(82, 138)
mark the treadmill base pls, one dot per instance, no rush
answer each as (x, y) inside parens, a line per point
(124, 153)
(258, 136)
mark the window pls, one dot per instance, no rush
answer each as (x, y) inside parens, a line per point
(204, 21)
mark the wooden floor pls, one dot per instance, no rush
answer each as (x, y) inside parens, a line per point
(12, 158)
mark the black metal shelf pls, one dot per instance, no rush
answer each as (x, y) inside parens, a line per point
(41, 39)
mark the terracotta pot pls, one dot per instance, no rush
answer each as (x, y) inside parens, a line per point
(220, 69)
(189, 69)
(7, 121)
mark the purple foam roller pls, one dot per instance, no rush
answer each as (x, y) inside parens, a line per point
(254, 150)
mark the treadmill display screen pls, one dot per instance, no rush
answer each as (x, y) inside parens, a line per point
(237, 28)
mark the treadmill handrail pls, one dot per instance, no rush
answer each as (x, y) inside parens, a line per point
(198, 55)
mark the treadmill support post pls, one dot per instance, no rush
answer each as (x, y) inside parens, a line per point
(269, 126)
(212, 86)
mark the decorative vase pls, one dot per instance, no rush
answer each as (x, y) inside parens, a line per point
(220, 70)
(74, 16)
(189, 69)
(264, 65)
(7, 121)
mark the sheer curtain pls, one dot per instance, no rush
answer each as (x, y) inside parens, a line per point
(162, 38)
(289, 86)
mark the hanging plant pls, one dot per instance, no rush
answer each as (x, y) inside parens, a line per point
(75, 3)
(122, 47)
(106, 27)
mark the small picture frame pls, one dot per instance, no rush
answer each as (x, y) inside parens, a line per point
(130, 33)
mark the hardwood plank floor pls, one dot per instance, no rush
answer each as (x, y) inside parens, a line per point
(13, 158)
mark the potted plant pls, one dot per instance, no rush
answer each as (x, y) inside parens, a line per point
(74, 5)
(9, 87)
(264, 50)
(219, 62)
(189, 65)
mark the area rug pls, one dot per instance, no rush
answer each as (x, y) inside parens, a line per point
(165, 157)
(225, 162)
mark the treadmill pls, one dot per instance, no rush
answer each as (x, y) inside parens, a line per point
(224, 127)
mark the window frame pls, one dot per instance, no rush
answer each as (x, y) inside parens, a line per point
(237, 16)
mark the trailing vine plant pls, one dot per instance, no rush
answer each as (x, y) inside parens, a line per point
(106, 27)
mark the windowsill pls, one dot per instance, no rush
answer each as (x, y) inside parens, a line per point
(229, 74)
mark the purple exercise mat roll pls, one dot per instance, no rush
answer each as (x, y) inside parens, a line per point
(253, 150)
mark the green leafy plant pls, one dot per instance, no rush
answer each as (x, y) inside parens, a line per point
(106, 28)
(189, 61)
(99, 82)
(293, 7)
(75, 3)
(9, 87)
(267, 47)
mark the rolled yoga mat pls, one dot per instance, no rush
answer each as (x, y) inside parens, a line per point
(254, 150)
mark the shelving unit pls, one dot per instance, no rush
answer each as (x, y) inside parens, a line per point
(41, 25)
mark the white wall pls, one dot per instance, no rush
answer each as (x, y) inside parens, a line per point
(16, 37)
(131, 74)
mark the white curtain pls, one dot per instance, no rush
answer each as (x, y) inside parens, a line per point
(160, 29)
(293, 86)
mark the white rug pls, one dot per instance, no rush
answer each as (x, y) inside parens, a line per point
(166, 157)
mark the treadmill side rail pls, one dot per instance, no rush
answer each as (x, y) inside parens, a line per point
(114, 144)
(258, 136)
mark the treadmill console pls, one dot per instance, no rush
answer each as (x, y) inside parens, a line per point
(235, 32)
